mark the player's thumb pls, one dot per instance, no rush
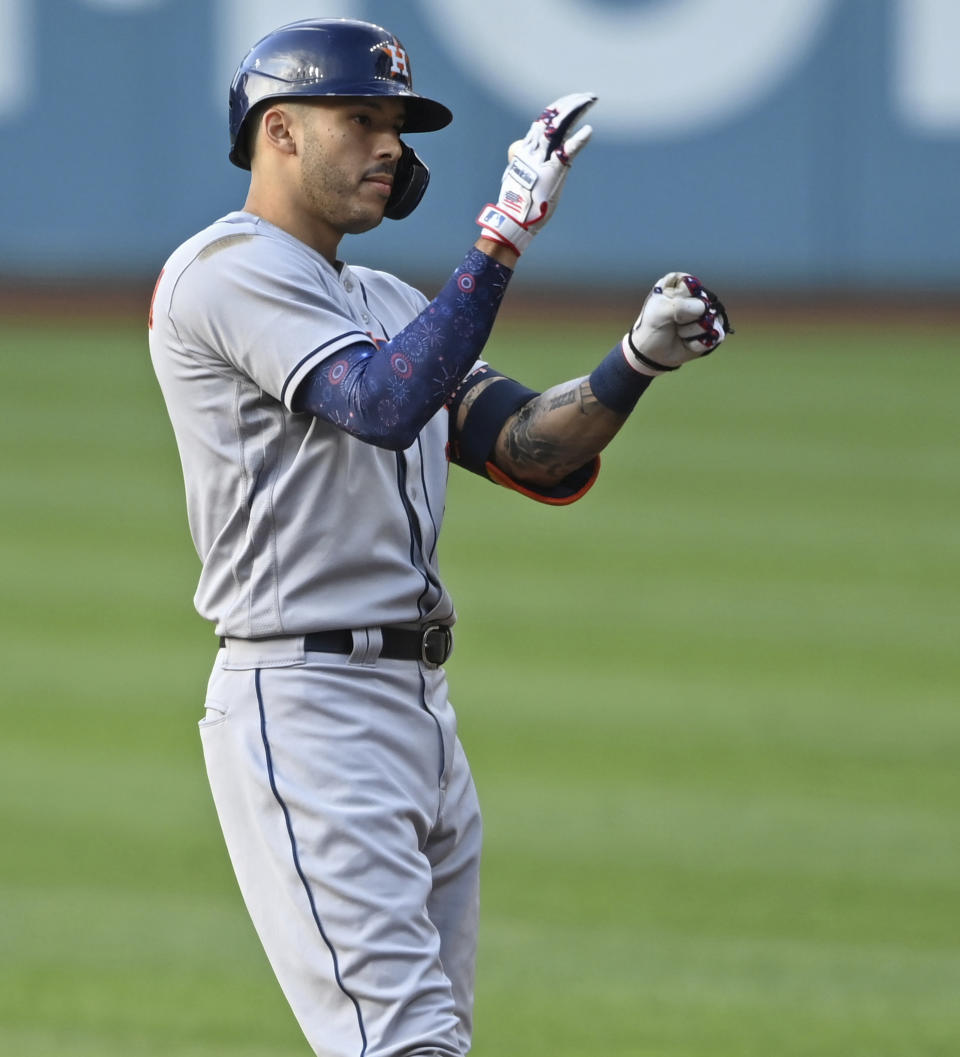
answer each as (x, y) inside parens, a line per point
(686, 309)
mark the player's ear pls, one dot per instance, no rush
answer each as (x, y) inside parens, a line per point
(276, 129)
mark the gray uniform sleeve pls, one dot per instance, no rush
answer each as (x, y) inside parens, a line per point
(268, 312)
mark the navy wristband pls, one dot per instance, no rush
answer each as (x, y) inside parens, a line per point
(616, 384)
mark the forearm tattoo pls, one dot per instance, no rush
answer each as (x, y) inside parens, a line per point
(578, 393)
(558, 431)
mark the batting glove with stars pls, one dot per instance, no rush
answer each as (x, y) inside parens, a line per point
(538, 166)
(680, 320)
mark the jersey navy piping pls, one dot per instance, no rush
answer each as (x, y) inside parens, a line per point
(296, 861)
(416, 534)
(310, 356)
(426, 500)
(366, 305)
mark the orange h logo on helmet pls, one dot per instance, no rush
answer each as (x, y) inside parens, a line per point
(400, 64)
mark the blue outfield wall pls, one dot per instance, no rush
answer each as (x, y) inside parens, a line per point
(804, 142)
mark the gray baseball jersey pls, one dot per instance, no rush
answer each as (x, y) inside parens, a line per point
(300, 527)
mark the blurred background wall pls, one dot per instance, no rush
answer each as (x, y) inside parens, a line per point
(771, 145)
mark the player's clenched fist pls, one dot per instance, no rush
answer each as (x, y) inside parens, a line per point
(534, 175)
(680, 320)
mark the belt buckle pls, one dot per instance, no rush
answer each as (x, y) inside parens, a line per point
(436, 645)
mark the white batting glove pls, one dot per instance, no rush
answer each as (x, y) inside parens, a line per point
(533, 179)
(680, 320)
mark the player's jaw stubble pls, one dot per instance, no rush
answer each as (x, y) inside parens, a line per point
(338, 196)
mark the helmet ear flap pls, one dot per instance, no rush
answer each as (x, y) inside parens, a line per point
(409, 183)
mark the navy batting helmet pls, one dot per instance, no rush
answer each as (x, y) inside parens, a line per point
(326, 57)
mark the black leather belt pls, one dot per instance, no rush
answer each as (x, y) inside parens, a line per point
(432, 644)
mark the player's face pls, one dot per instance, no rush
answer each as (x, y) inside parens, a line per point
(350, 151)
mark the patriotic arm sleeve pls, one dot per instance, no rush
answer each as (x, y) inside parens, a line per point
(385, 395)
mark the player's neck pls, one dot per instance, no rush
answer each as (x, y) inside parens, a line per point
(281, 213)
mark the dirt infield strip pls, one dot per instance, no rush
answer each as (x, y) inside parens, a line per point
(72, 301)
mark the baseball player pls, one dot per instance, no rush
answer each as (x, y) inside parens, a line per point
(317, 407)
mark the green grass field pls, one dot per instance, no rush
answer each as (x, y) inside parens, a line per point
(712, 712)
